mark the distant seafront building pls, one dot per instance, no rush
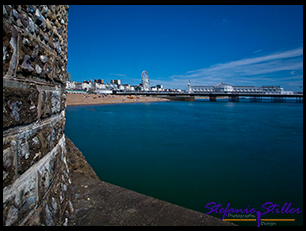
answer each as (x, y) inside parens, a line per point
(97, 85)
(227, 88)
(100, 87)
(116, 81)
(99, 80)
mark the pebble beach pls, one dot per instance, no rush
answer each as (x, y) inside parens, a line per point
(90, 99)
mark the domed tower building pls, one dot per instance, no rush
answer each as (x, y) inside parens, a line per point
(224, 87)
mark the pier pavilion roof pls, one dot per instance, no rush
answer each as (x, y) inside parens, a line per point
(223, 85)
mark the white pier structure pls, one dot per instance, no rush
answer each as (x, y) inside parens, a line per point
(227, 88)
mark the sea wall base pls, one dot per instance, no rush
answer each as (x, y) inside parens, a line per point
(99, 203)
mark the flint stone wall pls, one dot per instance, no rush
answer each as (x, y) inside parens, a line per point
(36, 184)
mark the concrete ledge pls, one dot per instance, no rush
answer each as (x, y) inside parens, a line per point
(100, 203)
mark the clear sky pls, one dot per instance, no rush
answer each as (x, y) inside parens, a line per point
(238, 45)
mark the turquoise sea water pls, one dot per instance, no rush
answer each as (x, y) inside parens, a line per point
(194, 153)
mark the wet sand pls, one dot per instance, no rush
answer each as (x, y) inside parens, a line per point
(89, 99)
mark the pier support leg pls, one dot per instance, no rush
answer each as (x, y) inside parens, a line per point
(256, 99)
(233, 98)
(278, 99)
(299, 99)
(212, 98)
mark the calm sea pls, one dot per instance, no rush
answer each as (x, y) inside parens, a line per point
(193, 153)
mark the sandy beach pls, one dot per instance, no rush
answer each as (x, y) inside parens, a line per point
(89, 99)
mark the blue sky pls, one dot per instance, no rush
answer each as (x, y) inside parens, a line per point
(239, 45)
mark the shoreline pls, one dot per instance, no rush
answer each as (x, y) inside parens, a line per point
(92, 99)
